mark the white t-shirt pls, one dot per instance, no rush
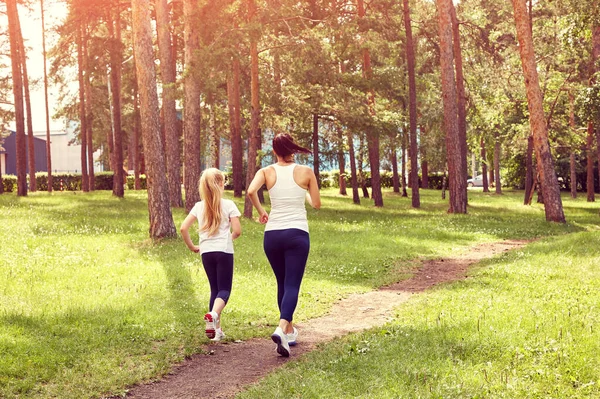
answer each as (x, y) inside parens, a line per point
(221, 241)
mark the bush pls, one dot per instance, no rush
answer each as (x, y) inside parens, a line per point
(9, 182)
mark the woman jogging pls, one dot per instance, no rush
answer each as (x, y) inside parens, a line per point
(219, 221)
(286, 240)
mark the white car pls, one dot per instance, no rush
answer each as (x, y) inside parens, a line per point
(477, 181)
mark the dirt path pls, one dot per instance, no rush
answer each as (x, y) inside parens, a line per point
(209, 375)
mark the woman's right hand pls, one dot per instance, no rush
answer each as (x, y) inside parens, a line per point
(263, 217)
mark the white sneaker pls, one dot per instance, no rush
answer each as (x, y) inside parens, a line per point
(219, 335)
(291, 337)
(279, 337)
(212, 320)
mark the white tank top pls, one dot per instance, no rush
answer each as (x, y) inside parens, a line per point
(287, 201)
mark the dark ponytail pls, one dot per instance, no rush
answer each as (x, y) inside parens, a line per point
(284, 146)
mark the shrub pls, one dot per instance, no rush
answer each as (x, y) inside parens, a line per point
(9, 182)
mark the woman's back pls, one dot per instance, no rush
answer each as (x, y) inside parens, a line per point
(287, 199)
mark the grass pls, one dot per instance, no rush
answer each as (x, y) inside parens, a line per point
(89, 306)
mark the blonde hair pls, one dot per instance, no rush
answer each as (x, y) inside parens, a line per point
(210, 192)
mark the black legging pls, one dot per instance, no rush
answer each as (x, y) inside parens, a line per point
(287, 251)
(219, 270)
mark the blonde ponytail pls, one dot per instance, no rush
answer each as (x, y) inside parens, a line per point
(210, 192)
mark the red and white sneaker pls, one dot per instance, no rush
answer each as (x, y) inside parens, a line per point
(212, 320)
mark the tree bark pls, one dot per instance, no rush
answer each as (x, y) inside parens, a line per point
(254, 139)
(169, 95)
(161, 219)
(46, 103)
(191, 118)
(412, 109)
(529, 182)
(497, 164)
(17, 77)
(114, 27)
(215, 139)
(353, 177)
(134, 151)
(484, 171)
(341, 160)
(403, 172)
(30, 139)
(372, 134)
(361, 175)
(85, 183)
(424, 163)
(456, 161)
(549, 183)
(89, 114)
(591, 196)
(395, 176)
(237, 156)
(315, 145)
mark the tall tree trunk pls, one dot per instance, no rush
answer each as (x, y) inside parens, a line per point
(85, 183)
(315, 145)
(134, 153)
(161, 219)
(169, 95)
(395, 176)
(17, 77)
(30, 138)
(47, 108)
(573, 127)
(403, 173)
(361, 175)
(237, 156)
(89, 111)
(214, 138)
(484, 171)
(424, 163)
(497, 164)
(456, 161)
(372, 133)
(460, 91)
(549, 183)
(254, 139)
(529, 174)
(115, 83)
(353, 177)
(412, 109)
(591, 196)
(341, 160)
(191, 118)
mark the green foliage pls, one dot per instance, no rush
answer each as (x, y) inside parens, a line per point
(9, 182)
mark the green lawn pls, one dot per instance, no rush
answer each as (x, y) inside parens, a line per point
(88, 305)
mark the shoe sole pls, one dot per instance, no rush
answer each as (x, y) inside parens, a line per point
(210, 326)
(280, 348)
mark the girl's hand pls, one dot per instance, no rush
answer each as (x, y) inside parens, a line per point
(195, 249)
(263, 218)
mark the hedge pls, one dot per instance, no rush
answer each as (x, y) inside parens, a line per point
(70, 181)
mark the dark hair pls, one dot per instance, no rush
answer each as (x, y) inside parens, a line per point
(284, 146)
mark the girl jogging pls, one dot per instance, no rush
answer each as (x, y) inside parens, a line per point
(219, 222)
(286, 240)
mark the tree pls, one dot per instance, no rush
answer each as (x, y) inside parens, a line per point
(48, 144)
(169, 112)
(191, 111)
(235, 126)
(549, 183)
(161, 219)
(15, 59)
(83, 118)
(114, 29)
(457, 181)
(412, 108)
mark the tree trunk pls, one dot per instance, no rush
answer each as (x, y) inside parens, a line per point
(89, 113)
(341, 160)
(460, 91)
(30, 139)
(47, 108)
(191, 119)
(412, 109)
(161, 219)
(85, 183)
(372, 134)
(403, 174)
(254, 139)
(573, 170)
(484, 171)
(237, 156)
(361, 175)
(315, 145)
(424, 163)
(169, 95)
(497, 164)
(17, 77)
(353, 177)
(395, 175)
(134, 153)
(215, 139)
(591, 196)
(529, 183)
(114, 28)
(573, 127)
(456, 161)
(549, 183)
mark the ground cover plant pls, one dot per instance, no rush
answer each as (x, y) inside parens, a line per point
(89, 306)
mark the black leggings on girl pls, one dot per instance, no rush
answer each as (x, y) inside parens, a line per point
(287, 251)
(219, 270)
